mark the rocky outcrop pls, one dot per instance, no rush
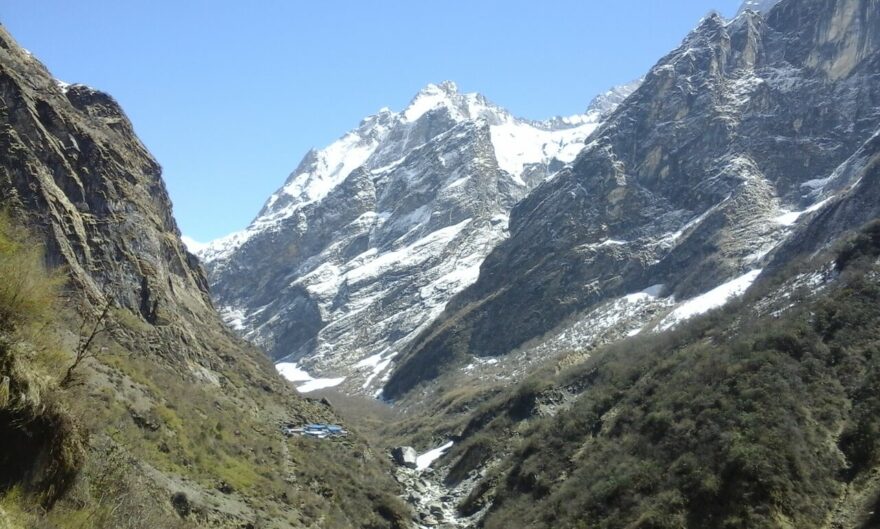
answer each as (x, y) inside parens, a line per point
(70, 157)
(853, 189)
(695, 179)
(404, 456)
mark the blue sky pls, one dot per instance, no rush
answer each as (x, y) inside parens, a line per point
(229, 95)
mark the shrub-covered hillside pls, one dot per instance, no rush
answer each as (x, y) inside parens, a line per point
(766, 414)
(41, 447)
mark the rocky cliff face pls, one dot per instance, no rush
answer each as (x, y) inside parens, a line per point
(731, 141)
(370, 237)
(71, 157)
(165, 371)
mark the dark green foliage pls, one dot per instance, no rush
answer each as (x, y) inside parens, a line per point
(865, 244)
(732, 421)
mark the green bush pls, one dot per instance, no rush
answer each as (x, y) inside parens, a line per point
(28, 292)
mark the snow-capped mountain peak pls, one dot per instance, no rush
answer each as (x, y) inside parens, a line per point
(461, 107)
(429, 98)
(524, 149)
(369, 237)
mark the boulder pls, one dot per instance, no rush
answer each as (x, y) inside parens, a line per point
(404, 456)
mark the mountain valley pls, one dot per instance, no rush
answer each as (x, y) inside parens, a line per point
(662, 312)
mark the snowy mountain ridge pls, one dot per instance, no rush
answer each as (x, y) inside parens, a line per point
(369, 237)
(517, 143)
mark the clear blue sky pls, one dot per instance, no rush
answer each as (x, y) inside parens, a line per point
(229, 95)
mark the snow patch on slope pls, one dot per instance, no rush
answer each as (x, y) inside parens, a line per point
(717, 297)
(519, 143)
(425, 460)
(331, 167)
(788, 218)
(377, 363)
(293, 373)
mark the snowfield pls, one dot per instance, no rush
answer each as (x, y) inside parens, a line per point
(717, 297)
(293, 373)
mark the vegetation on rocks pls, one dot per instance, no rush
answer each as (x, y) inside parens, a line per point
(126, 403)
(40, 444)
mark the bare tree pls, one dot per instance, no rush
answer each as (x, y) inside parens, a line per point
(88, 332)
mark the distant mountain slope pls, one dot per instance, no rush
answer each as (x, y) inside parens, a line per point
(731, 141)
(371, 236)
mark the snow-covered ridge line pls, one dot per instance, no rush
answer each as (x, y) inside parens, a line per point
(517, 144)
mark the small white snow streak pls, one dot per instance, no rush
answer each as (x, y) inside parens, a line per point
(193, 245)
(294, 373)
(424, 461)
(715, 298)
(790, 217)
(233, 317)
(377, 364)
(319, 383)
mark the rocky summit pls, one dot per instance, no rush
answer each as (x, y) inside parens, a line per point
(370, 237)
